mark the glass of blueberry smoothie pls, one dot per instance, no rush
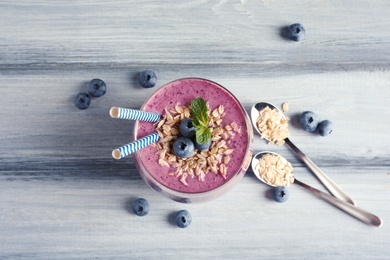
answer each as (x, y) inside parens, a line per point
(205, 141)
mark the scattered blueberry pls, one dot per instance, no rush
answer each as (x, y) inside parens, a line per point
(147, 79)
(140, 207)
(186, 128)
(202, 147)
(96, 88)
(82, 101)
(325, 127)
(308, 121)
(183, 147)
(280, 194)
(183, 218)
(296, 32)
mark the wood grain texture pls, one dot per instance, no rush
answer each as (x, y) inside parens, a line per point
(342, 35)
(62, 196)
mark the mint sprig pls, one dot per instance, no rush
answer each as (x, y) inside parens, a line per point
(201, 118)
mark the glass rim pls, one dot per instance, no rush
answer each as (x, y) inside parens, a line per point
(172, 193)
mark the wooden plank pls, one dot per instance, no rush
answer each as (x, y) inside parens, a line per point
(40, 122)
(75, 215)
(342, 35)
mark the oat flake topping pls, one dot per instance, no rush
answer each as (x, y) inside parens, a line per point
(201, 162)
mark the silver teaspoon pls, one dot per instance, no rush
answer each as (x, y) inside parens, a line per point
(328, 183)
(354, 211)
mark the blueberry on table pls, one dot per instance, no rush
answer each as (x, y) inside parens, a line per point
(280, 194)
(202, 147)
(296, 32)
(183, 147)
(308, 121)
(140, 207)
(82, 101)
(147, 79)
(96, 88)
(183, 218)
(186, 128)
(325, 127)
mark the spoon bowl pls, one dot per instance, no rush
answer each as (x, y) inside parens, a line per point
(328, 183)
(354, 211)
(256, 108)
(255, 161)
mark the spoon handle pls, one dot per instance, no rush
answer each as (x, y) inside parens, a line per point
(326, 181)
(354, 211)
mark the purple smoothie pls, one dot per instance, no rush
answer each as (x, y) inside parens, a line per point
(184, 91)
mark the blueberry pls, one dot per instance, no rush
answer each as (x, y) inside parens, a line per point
(183, 147)
(140, 207)
(308, 121)
(147, 79)
(82, 101)
(202, 147)
(183, 218)
(96, 88)
(280, 194)
(186, 128)
(296, 32)
(325, 127)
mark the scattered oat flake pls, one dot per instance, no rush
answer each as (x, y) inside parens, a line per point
(285, 106)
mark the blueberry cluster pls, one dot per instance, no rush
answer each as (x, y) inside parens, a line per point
(310, 122)
(182, 218)
(95, 88)
(185, 145)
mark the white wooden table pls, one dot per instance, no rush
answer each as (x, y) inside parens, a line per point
(62, 196)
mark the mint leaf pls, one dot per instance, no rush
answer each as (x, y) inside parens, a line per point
(198, 124)
(196, 106)
(202, 135)
(199, 110)
(200, 113)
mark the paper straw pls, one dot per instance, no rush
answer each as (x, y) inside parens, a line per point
(135, 146)
(131, 114)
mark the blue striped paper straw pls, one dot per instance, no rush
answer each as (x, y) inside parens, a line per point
(135, 146)
(131, 114)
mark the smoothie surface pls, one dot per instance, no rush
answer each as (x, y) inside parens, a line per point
(184, 91)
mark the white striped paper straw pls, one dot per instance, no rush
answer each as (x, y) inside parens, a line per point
(131, 114)
(135, 146)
